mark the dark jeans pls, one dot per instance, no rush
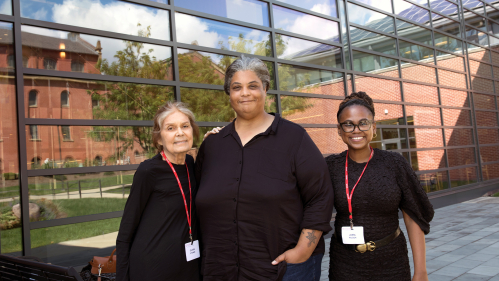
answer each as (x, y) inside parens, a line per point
(305, 271)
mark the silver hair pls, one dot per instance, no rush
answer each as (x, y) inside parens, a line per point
(247, 63)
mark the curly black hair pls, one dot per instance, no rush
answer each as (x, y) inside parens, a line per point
(359, 98)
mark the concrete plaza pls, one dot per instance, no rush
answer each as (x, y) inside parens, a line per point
(463, 243)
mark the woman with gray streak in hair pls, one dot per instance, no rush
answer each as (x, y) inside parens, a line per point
(264, 195)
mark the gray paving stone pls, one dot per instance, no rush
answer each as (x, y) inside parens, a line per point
(450, 257)
(452, 271)
(485, 270)
(467, 263)
(481, 257)
(472, 277)
(492, 262)
(438, 277)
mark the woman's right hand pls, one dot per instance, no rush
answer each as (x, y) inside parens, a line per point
(212, 132)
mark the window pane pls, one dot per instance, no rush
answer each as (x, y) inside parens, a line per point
(447, 43)
(488, 136)
(458, 137)
(90, 146)
(461, 156)
(32, 100)
(476, 36)
(482, 69)
(99, 55)
(412, 12)
(452, 79)
(476, 21)
(327, 140)
(416, 52)
(495, 57)
(429, 116)
(425, 138)
(483, 85)
(326, 7)
(122, 101)
(413, 32)
(388, 114)
(472, 4)
(373, 42)
(294, 49)
(490, 172)
(202, 67)
(6, 7)
(252, 11)
(486, 119)
(375, 64)
(372, 86)
(478, 53)
(484, 101)
(450, 61)
(304, 24)
(446, 25)
(445, 7)
(496, 72)
(369, 18)
(313, 81)
(418, 72)
(456, 117)
(434, 181)
(489, 153)
(45, 241)
(384, 5)
(303, 110)
(115, 16)
(219, 35)
(454, 97)
(416, 93)
(462, 176)
(428, 160)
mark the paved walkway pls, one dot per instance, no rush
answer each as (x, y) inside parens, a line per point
(463, 243)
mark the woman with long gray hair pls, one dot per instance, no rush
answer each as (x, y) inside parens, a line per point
(265, 197)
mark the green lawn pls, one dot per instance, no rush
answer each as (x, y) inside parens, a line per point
(496, 195)
(11, 239)
(119, 190)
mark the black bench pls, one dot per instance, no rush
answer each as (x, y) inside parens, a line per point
(24, 269)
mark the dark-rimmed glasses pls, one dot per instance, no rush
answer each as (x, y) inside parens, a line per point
(364, 125)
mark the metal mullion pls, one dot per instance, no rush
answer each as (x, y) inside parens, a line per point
(485, 93)
(309, 65)
(487, 127)
(489, 144)
(446, 169)
(176, 66)
(21, 132)
(274, 56)
(95, 77)
(74, 220)
(424, 149)
(349, 41)
(302, 10)
(490, 163)
(95, 32)
(433, 65)
(200, 86)
(309, 38)
(150, 4)
(444, 140)
(487, 110)
(7, 18)
(81, 170)
(87, 122)
(219, 51)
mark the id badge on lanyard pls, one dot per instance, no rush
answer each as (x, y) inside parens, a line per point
(191, 248)
(353, 234)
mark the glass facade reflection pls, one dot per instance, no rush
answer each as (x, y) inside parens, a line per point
(94, 72)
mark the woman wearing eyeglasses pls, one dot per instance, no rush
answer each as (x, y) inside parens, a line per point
(367, 243)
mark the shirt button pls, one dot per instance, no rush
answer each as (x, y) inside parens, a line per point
(235, 200)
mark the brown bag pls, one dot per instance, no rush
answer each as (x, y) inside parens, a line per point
(107, 264)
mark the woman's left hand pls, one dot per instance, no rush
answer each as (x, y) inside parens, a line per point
(420, 276)
(212, 132)
(292, 256)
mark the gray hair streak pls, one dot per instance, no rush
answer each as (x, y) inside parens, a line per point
(247, 63)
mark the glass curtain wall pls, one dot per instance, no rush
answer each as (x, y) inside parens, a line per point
(83, 79)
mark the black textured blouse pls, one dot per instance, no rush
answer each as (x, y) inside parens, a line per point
(388, 184)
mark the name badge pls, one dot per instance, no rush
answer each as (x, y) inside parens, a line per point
(192, 251)
(353, 236)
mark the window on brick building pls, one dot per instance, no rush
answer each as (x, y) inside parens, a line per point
(98, 161)
(11, 61)
(33, 132)
(25, 61)
(49, 64)
(95, 103)
(35, 161)
(33, 98)
(65, 98)
(66, 133)
(76, 66)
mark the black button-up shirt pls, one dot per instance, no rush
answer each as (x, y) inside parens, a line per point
(254, 200)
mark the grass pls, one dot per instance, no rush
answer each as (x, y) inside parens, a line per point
(11, 239)
(47, 188)
(496, 195)
(119, 190)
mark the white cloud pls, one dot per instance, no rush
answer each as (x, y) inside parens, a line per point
(6, 8)
(190, 29)
(116, 16)
(40, 14)
(243, 10)
(324, 8)
(314, 26)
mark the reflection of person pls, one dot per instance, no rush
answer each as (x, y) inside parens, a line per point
(387, 185)
(265, 197)
(154, 230)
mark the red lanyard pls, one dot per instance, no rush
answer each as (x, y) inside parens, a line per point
(349, 195)
(182, 191)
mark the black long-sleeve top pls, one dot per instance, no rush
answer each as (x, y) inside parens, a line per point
(154, 229)
(254, 200)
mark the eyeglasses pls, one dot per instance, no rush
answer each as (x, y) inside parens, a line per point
(364, 125)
